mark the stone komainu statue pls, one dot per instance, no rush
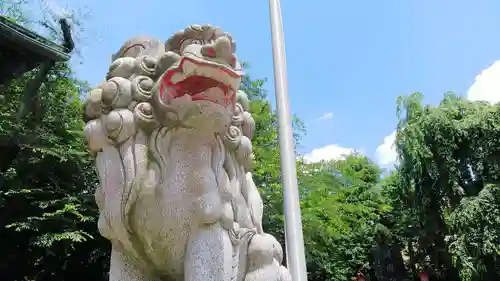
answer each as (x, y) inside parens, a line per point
(170, 132)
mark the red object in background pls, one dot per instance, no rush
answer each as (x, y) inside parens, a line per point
(360, 277)
(424, 276)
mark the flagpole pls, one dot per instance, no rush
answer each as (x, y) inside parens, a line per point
(293, 221)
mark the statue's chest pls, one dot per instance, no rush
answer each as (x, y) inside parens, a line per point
(162, 222)
(191, 166)
(184, 173)
(166, 211)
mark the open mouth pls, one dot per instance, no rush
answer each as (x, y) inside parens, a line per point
(201, 81)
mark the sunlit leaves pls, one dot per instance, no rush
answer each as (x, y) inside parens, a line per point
(45, 200)
(341, 206)
(448, 154)
(474, 238)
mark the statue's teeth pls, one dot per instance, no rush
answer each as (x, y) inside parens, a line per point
(215, 94)
(188, 68)
(186, 98)
(176, 77)
(235, 84)
(206, 72)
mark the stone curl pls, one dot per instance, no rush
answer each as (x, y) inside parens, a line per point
(117, 93)
(232, 137)
(119, 125)
(143, 113)
(238, 135)
(136, 136)
(204, 32)
(142, 87)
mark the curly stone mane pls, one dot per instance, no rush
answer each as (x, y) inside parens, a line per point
(203, 32)
(177, 199)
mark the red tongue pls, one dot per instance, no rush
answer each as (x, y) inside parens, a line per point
(196, 84)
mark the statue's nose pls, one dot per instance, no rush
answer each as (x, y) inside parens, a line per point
(220, 51)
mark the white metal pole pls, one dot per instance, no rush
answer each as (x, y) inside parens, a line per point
(293, 227)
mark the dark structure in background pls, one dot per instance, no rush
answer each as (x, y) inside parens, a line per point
(387, 260)
(22, 50)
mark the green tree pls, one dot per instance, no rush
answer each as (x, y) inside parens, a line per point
(341, 206)
(405, 225)
(448, 154)
(266, 166)
(46, 203)
(47, 213)
(474, 239)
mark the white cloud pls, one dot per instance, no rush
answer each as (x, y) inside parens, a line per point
(329, 152)
(327, 115)
(486, 87)
(386, 152)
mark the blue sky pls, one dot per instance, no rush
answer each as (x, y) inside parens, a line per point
(347, 60)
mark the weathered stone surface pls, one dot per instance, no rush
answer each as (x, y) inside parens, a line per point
(171, 135)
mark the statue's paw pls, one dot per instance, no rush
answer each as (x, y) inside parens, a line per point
(265, 248)
(265, 245)
(270, 272)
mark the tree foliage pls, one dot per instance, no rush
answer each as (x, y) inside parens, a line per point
(341, 207)
(46, 204)
(439, 206)
(448, 156)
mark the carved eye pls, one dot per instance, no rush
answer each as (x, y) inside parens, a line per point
(188, 42)
(196, 41)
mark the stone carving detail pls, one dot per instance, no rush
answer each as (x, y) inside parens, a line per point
(171, 136)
